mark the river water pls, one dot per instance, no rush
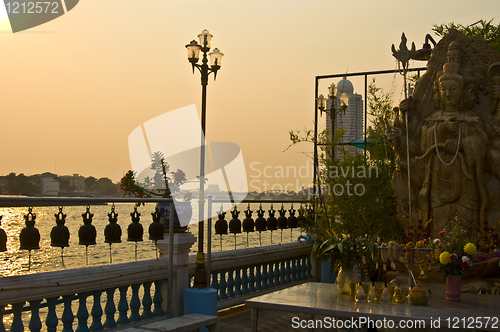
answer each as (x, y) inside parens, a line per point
(17, 262)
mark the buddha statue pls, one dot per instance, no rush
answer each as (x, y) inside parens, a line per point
(453, 147)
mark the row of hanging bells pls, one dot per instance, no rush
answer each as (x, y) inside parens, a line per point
(59, 236)
(260, 224)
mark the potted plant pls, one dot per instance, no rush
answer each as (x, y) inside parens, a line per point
(162, 183)
(344, 252)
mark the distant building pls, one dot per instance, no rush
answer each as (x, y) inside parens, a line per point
(50, 186)
(353, 119)
(213, 188)
(4, 184)
(73, 183)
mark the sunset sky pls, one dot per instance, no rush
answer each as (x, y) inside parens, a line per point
(73, 89)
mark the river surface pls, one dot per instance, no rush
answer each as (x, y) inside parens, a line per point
(18, 262)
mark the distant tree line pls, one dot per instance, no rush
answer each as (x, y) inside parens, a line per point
(74, 185)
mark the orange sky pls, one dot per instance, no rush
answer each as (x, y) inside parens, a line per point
(73, 89)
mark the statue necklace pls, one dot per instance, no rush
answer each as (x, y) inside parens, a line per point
(458, 145)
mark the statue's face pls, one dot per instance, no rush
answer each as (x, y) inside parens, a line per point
(450, 93)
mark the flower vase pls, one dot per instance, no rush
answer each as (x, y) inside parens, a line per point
(345, 277)
(453, 288)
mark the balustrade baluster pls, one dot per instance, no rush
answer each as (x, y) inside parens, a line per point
(265, 276)
(110, 308)
(2, 307)
(17, 320)
(67, 317)
(237, 282)
(35, 324)
(96, 312)
(251, 280)
(223, 285)
(123, 306)
(51, 320)
(82, 314)
(303, 268)
(135, 303)
(288, 271)
(295, 270)
(271, 276)
(215, 283)
(283, 273)
(309, 267)
(277, 274)
(300, 276)
(158, 299)
(230, 283)
(244, 280)
(258, 277)
(147, 301)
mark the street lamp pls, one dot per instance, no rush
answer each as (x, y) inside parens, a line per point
(193, 48)
(344, 104)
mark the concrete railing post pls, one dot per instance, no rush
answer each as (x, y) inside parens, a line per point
(181, 247)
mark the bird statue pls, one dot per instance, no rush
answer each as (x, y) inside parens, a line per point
(403, 54)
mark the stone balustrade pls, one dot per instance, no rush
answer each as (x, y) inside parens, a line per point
(120, 294)
(103, 297)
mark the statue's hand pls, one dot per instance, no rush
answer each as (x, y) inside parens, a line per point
(451, 125)
(496, 91)
(405, 104)
(451, 146)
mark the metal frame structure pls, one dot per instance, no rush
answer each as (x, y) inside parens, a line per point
(365, 74)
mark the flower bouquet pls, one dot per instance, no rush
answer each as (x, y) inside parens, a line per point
(453, 253)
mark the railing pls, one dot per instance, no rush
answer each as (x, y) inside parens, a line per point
(240, 274)
(44, 290)
(85, 286)
(128, 292)
(247, 218)
(249, 224)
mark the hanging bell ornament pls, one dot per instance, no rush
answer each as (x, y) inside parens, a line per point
(282, 220)
(310, 210)
(113, 231)
(248, 223)
(157, 228)
(59, 236)
(30, 236)
(301, 219)
(272, 223)
(235, 223)
(135, 230)
(87, 232)
(221, 224)
(260, 222)
(292, 219)
(3, 238)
